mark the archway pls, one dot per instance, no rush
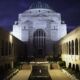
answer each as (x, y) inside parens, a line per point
(39, 42)
(73, 67)
(77, 67)
(69, 65)
(76, 46)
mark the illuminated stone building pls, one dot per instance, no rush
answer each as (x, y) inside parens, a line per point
(70, 49)
(40, 26)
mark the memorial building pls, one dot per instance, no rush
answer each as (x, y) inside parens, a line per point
(40, 27)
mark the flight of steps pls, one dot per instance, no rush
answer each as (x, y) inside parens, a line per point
(54, 66)
(40, 59)
(26, 67)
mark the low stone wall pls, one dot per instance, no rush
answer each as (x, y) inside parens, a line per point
(11, 75)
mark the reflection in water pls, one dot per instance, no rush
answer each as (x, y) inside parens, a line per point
(39, 73)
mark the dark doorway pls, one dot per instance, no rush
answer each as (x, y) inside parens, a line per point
(40, 52)
(39, 42)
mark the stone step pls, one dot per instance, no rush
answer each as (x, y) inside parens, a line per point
(26, 66)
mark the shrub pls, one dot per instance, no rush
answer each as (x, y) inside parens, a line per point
(62, 63)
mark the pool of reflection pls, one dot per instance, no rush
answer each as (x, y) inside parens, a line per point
(39, 73)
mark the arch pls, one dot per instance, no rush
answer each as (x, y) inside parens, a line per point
(39, 37)
(69, 65)
(67, 51)
(72, 47)
(77, 67)
(79, 45)
(69, 48)
(39, 32)
(73, 67)
(76, 46)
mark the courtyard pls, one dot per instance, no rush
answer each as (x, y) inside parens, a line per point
(41, 72)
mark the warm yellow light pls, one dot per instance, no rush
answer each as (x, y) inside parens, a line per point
(70, 58)
(10, 38)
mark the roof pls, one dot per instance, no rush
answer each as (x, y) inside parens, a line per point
(39, 4)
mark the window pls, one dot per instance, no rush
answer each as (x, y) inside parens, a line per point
(76, 46)
(39, 10)
(39, 38)
(6, 48)
(79, 45)
(72, 47)
(9, 48)
(2, 48)
(69, 48)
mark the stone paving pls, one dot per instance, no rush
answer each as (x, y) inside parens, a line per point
(22, 75)
(56, 74)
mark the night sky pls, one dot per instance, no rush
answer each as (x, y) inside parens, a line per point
(69, 9)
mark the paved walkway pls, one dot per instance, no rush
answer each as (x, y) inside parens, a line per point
(22, 75)
(55, 75)
(58, 75)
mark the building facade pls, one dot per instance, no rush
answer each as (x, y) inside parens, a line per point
(40, 27)
(70, 49)
(11, 51)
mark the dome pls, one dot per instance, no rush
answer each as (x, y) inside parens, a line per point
(39, 4)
